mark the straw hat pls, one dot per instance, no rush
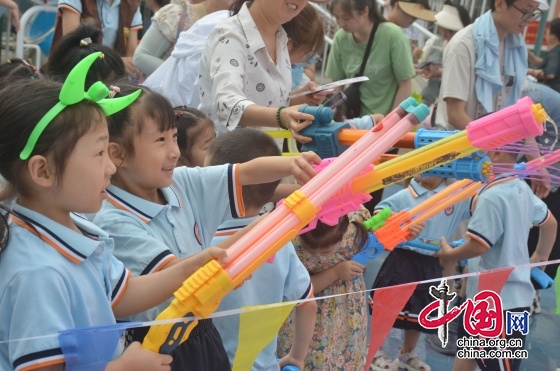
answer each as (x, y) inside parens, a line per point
(448, 18)
(414, 9)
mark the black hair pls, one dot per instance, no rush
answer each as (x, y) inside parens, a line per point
(492, 4)
(463, 13)
(4, 229)
(15, 69)
(77, 45)
(190, 124)
(22, 105)
(326, 235)
(359, 6)
(244, 145)
(555, 28)
(129, 122)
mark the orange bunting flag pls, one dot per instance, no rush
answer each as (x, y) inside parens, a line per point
(494, 280)
(387, 304)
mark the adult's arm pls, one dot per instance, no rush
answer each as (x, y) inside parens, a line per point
(457, 114)
(147, 57)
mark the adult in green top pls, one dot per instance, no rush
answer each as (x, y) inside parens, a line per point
(389, 65)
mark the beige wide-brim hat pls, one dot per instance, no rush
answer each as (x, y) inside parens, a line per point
(448, 18)
(416, 10)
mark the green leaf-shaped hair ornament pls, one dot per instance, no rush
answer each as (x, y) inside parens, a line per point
(72, 92)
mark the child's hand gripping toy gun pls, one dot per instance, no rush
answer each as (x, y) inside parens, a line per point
(388, 230)
(202, 292)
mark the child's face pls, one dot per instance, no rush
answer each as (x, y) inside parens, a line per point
(200, 146)
(155, 156)
(87, 172)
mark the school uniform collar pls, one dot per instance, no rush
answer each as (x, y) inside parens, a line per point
(143, 209)
(74, 246)
(254, 39)
(499, 179)
(417, 190)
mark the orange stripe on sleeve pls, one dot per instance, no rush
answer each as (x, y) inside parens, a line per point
(122, 291)
(238, 191)
(50, 362)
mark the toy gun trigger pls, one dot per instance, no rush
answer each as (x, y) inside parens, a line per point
(179, 332)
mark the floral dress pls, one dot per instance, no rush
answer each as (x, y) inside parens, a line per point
(339, 340)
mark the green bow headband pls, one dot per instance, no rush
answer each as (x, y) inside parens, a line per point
(72, 92)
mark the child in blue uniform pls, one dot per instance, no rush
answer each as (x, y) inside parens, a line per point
(408, 264)
(283, 279)
(502, 214)
(58, 272)
(159, 214)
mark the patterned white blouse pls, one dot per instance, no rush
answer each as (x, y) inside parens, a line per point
(237, 71)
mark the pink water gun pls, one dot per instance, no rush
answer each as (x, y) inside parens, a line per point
(201, 293)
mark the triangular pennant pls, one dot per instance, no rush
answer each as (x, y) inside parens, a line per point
(91, 348)
(387, 304)
(258, 326)
(494, 280)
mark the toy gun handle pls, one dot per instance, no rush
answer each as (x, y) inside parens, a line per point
(371, 249)
(290, 368)
(542, 279)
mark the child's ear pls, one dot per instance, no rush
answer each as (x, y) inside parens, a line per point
(41, 172)
(116, 154)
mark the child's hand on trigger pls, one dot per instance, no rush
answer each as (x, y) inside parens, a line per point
(137, 358)
(348, 270)
(415, 230)
(218, 253)
(301, 167)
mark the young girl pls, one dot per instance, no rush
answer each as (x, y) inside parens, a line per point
(58, 272)
(195, 131)
(339, 341)
(159, 215)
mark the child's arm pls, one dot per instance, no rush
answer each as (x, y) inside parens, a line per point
(269, 169)
(343, 271)
(147, 291)
(134, 358)
(547, 237)
(304, 326)
(468, 250)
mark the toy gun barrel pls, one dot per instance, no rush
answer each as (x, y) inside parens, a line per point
(378, 220)
(430, 243)
(478, 169)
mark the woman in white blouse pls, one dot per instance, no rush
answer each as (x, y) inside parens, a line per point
(245, 70)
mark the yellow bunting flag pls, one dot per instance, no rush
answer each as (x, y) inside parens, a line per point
(258, 325)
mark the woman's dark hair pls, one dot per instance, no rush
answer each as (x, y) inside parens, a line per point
(129, 122)
(236, 7)
(555, 28)
(190, 124)
(305, 31)
(359, 6)
(77, 45)
(22, 105)
(463, 13)
(15, 69)
(325, 235)
(4, 230)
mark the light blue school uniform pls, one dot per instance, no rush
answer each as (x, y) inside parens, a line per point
(52, 279)
(148, 235)
(503, 214)
(285, 279)
(109, 16)
(442, 224)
